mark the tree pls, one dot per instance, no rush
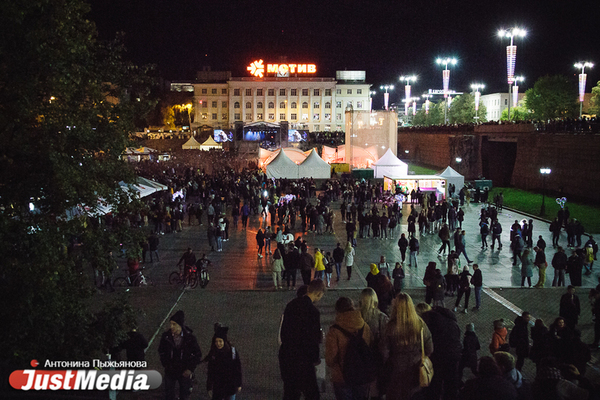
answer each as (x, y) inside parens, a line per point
(462, 110)
(67, 107)
(595, 101)
(552, 97)
(434, 117)
(517, 113)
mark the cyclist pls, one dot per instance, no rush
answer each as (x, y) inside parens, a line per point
(189, 260)
(203, 263)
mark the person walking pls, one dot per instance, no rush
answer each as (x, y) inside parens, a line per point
(496, 234)
(413, 245)
(349, 253)
(519, 338)
(477, 282)
(518, 245)
(398, 275)
(464, 287)
(277, 268)
(224, 371)
(461, 246)
(338, 259)
(179, 354)
(260, 242)
(540, 262)
(484, 230)
(402, 246)
(347, 324)
(559, 263)
(526, 268)
(301, 335)
(444, 235)
(401, 348)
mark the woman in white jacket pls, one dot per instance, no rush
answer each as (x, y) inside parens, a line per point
(349, 253)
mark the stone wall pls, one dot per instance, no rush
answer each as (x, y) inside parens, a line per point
(511, 154)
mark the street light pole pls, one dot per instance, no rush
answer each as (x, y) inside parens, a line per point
(407, 79)
(515, 94)
(511, 56)
(446, 81)
(386, 95)
(545, 172)
(582, 79)
(476, 87)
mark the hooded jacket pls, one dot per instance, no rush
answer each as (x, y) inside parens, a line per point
(336, 341)
(177, 360)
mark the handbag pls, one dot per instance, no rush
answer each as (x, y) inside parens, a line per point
(426, 366)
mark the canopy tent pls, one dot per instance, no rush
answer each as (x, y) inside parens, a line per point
(138, 153)
(282, 167)
(210, 144)
(390, 165)
(296, 155)
(150, 183)
(191, 144)
(314, 167)
(453, 177)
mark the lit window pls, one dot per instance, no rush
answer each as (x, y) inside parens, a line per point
(359, 104)
(293, 105)
(271, 104)
(248, 105)
(204, 115)
(327, 117)
(248, 92)
(316, 117)
(259, 116)
(338, 104)
(305, 117)
(349, 104)
(305, 105)
(271, 92)
(236, 104)
(282, 92)
(224, 116)
(271, 116)
(304, 92)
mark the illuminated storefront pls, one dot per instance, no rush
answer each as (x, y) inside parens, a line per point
(427, 184)
(274, 93)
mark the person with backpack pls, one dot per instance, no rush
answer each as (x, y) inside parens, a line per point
(348, 353)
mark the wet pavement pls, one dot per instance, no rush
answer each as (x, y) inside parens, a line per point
(241, 295)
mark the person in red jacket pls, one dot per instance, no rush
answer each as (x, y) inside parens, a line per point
(499, 342)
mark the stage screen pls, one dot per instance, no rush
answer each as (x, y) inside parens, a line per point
(254, 136)
(221, 136)
(295, 136)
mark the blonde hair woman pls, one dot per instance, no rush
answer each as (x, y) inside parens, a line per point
(401, 348)
(377, 321)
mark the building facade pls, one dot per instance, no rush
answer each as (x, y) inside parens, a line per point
(308, 103)
(495, 103)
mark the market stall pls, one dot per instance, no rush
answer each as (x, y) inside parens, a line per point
(427, 184)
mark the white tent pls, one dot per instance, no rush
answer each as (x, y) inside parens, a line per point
(389, 165)
(296, 155)
(210, 144)
(314, 167)
(145, 181)
(191, 144)
(282, 167)
(453, 177)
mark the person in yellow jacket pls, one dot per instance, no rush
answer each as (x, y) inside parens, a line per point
(319, 265)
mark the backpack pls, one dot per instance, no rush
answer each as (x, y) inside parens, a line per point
(359, 362)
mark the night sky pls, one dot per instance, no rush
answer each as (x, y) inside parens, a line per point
(386, 38)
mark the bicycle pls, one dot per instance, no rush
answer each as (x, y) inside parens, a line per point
(180, 277)
(138, 279)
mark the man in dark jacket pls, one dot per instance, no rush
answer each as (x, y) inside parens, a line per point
(338, 258)
(301, 336)
(559, 263)
(307, 263)
(179, 354)
(570, 308)
(447, 352)
(519, 338)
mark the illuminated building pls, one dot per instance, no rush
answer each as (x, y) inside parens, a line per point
(276, 93)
